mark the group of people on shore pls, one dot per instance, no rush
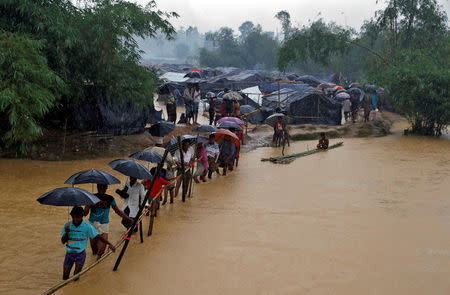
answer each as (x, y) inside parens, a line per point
(191, 97)
(370, 104)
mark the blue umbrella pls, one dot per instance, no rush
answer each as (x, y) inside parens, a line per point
(161, 128)
(68, 196)
(92, 176)
(130, 168)
(230, 125)
(149, 156)
(205, 128)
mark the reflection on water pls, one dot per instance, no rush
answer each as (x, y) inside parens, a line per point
(368, 218)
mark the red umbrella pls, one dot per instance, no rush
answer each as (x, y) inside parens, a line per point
(219, 136)
(339, 88)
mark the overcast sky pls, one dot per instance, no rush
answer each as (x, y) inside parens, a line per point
(212, 14)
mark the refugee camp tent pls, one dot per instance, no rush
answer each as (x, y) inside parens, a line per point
(107, 116)
(256, 118)
(174, 77)
(254, 94)
(314, 108)
(282, 99)
(310, 80)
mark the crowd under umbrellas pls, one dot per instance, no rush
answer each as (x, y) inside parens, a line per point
(183, 161)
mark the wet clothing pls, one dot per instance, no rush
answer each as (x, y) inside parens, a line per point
(136, 196)
(171, 111)
(78, 236)
(346, 105)
(74, 257)
(187, 156)
(160, 182)
(201, 153)
(212, 150)
(227, 148)
(100, 210)
(323, 143)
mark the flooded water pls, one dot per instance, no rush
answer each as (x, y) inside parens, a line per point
(371, 217)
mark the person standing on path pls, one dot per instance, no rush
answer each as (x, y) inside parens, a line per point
(346, 106)
(171, 107)
(197, 97)
(212, 151)
(75, 236)
(189, 102)
(227, 150)
(99, 218)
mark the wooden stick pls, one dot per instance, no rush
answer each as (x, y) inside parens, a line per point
(183, 190)
(140, 232)
(191, 182)
(141, 208)
(152, 217)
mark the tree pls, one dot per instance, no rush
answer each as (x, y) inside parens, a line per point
(245, 29)
(285, 18)
(91, 47)
(319, 43)
(28, 89)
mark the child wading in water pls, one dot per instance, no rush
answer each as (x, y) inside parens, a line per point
(202, 164)
(212, 151)
(170, 176)
(75, 235)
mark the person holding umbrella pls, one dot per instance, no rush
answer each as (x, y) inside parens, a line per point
(75, 235)
(99, 218)
(227, 151)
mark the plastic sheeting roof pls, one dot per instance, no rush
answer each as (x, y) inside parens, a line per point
(254, 94)
(174, 77)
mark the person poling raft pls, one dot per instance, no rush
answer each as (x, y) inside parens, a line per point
(290, 158)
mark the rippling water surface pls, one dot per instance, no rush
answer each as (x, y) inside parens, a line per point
(371, 217)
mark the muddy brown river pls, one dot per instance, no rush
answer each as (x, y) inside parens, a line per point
(371, 217)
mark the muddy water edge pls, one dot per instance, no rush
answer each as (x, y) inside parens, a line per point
(371, 217)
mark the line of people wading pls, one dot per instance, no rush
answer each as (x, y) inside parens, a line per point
(76, 233)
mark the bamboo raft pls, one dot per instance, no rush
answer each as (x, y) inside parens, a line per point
(290, 158)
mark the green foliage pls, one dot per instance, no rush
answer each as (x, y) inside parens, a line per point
(87, 47)
(28, 89)
(252, 48)
(419, 89)
(318, 42)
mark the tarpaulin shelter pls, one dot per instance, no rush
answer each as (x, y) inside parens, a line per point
(282, 99)
(310, 80)
(254, 94)
(107, 116)
(174, 77)
(314, 108)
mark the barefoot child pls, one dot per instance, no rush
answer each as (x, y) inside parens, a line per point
(75, 235)
(157, 187)
(169, 189)
(212, 151)
(99, 218)
(202, 163)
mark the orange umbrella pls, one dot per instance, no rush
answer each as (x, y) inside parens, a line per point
(223, 132)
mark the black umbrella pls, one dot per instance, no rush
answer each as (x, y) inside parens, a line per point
(172, 145)
(271, 120)
(246, 109)
(68, 196)
(92, 176)
(356, 91)
(161, 128)
(149, 156)
(130, 168)
(230, 125)
(205, 128)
